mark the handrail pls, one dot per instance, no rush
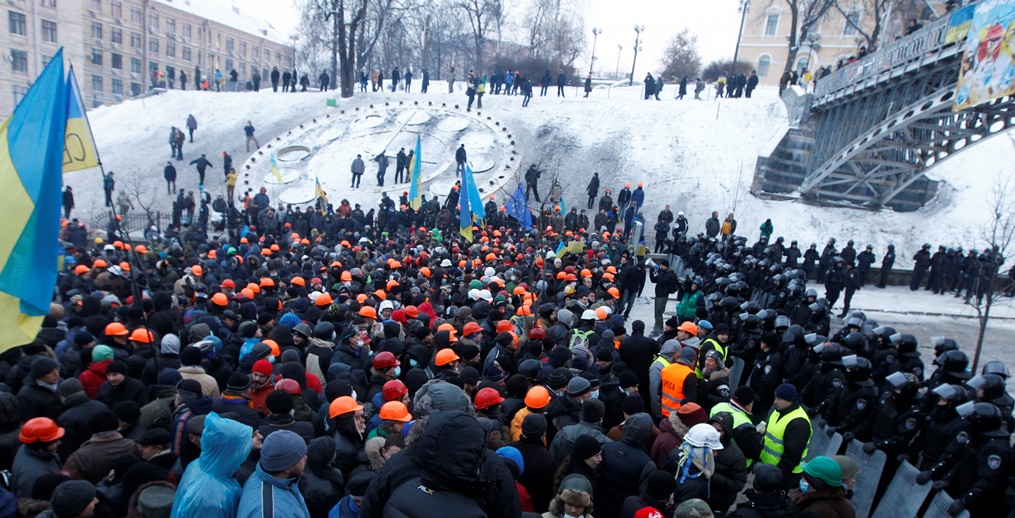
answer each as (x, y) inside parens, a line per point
(894, 55)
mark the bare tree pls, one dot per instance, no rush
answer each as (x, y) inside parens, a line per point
(315, 43)
(681, 58)
(998, 232)
(805, 15)
(482, 14)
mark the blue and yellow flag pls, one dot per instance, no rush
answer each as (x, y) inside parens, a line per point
(79, 148)
(464, 214)
(518, 207)
(416, 175)
(31, 165)
(320, 192)
(475, 202)
(274, 169)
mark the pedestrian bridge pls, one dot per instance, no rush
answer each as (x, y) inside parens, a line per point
(870, 131)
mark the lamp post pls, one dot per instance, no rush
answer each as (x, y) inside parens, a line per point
(295, 38)
(620, 50)
(637, 39)
(745, 7)
(596, 31)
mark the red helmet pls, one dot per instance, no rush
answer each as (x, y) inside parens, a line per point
(537, 333)
(487, 397)
(40, 429)
(393, 390)
(290, 386)
(385, 360)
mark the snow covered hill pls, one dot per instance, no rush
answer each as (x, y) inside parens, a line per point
(696, 156)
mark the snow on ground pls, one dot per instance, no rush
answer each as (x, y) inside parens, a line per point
(696, 156)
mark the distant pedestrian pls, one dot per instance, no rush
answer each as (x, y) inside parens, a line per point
(256, 80)
(68, 201)
(191, 126)
(561, 83)
(202, 164)
(400, 163)
(227, 163)
(169, 173)
(274, 79)
(451, 81)
(358, 168)
(108, 184)
(382, 167)
(249, 131)
(460, 159)
(426, 80)
(323, 81)
(588, 90)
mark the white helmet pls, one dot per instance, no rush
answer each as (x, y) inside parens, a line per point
(589, 314)
(703, 435)
(387, 304)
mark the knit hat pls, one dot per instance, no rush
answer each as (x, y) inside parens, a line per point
(279, 402)
(744, 395)
(786, 392)
(688, 356)
(469, 376)
(154, 437)
(262, 367)
(238, 382)
(103, 421)
(156, 501)
(593, 411)
(585, 446)
(511, 453)
(691, 414)
(282, 449)
(693, 508)
(824, 469)
(633, 404)
(578, 386)
(558, 379)
(494, 373)
(127, 411)
(359, 483)
(660, 485)
(42, 366)
(604, 354)
(118, 367)
(71, 498)
(101, 353)
(627, 378)
(533, 426)
(195, 425)
(83, 338)
(767, 477)
(169, 377)
(191, 387)
(191, 356)
(69, 387)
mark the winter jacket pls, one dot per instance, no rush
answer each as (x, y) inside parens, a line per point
(321, 484)
(29, 465)
(98, 455)
(129, 390)
(209, 387)
(671, 436)
(624, 466)
(765, 505)
(729, 478)
(666, 281)
(35, 400)
(208, 488)
(563, 442)
(264, 495)
(540, 466)
(826, 503)
(75, 417)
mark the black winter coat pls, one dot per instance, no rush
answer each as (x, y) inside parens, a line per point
(130, 390)
(540, 466)
(765, 505)
(625, 464)
(35, 400)
(322, 485)
(75, 417)
(729, 478)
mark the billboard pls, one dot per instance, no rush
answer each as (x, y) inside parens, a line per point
(987, 71)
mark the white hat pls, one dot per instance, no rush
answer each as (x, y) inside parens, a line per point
(589, 314)
(446, 263)
(703, 435)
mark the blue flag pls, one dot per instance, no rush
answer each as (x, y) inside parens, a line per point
(475, 202)
(416, 175)
(518, 207)
(464, 215)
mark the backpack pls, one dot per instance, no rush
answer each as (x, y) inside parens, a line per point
(579, 337)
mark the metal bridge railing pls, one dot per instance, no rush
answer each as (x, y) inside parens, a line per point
(895, 55)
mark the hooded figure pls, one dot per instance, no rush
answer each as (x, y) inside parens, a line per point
(208, 485)
(624, 465)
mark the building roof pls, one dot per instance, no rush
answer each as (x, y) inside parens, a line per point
(230, 17)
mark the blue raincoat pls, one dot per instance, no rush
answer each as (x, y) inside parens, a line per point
(208, 488)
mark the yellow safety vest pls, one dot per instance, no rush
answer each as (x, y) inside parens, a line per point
(771, 452)
(672, 378)
(739, 418)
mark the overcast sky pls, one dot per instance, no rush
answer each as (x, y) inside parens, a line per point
(715, 22)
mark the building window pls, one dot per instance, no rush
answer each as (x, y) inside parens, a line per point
(153, 22)
(153, 67)
(49, 31)
(170, 49)
(243, 49)
(772, 24)
(243, 70)
(135, 66)
(763, 64)
(803, 64)
(19, 93)
(96, 83)
(48, 3)
(45, 60)
(253, 53)
(116, 61)
(117, 86)
(96, 56)
(135, 40)
(852, 21)
(135, 15)
(267, 56)
(153, 46)
(229, 44)
(186, 53)
(186, 30)
(116, 35)
(171, 27)
(116, 9)
(97, 30)
(97, 6)
(229, 65)
(19, 61)
(135, 89)
(16, 23)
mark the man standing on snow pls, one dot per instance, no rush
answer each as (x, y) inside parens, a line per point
(249, 131)
(274, 79)
(108, 184)
(191, 126)
(227, 164)
(400, 161)
(382, 168)
(68, 202)
(169, 173)
(323, 81)
(201, 163)
(460, 158)
(358, 168)
(593, 189)
(666, 283)
(286, 77)
(532, 181)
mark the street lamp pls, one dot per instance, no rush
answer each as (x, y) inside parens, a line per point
(620, 49)
(637, 39)
(596, 31)
(745, 7)
(295, 38)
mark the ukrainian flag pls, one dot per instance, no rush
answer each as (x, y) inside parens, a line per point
(464, 214)
(416, 173)
(31, 165)
(79, 147)
(469, 188)
(274, 169)
(320, 192)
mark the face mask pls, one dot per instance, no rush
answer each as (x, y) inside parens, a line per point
(569, 516)
(398, 371)
(413, 363)
(804, 486)
(626, 393)
(595, 394)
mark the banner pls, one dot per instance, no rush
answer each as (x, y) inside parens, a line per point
(79, 146)
(987, 72)
(958, 24)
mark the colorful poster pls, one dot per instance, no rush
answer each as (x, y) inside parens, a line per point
(958, 24)
(987, 71)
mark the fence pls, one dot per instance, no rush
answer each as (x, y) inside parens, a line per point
(134, 223)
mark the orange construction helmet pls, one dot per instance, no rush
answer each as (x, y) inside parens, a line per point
(324, 299)
(298, 281)
(368, 312)
(116, 329)
(81, 269)
(537, 397)
(343, 405)
(40, 429)
(143, 335)
(197, 270)
(688, 327)
(471, 328)
(445, 356)
(220, 299)
(395, 411)
(273, 345)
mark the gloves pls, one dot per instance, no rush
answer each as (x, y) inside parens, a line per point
(848, 437)
(923, 477)
(830, 431)
(869, 448)
(956, 508)
(940, 484)
(762, 426)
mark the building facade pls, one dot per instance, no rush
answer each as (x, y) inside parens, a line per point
(121, 48)
(765, 38)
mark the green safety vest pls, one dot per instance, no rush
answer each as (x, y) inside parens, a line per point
(723, 350)
(739, 418)
(773, 448)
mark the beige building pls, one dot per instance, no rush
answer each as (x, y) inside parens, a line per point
(766, 32)
(116, 45)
